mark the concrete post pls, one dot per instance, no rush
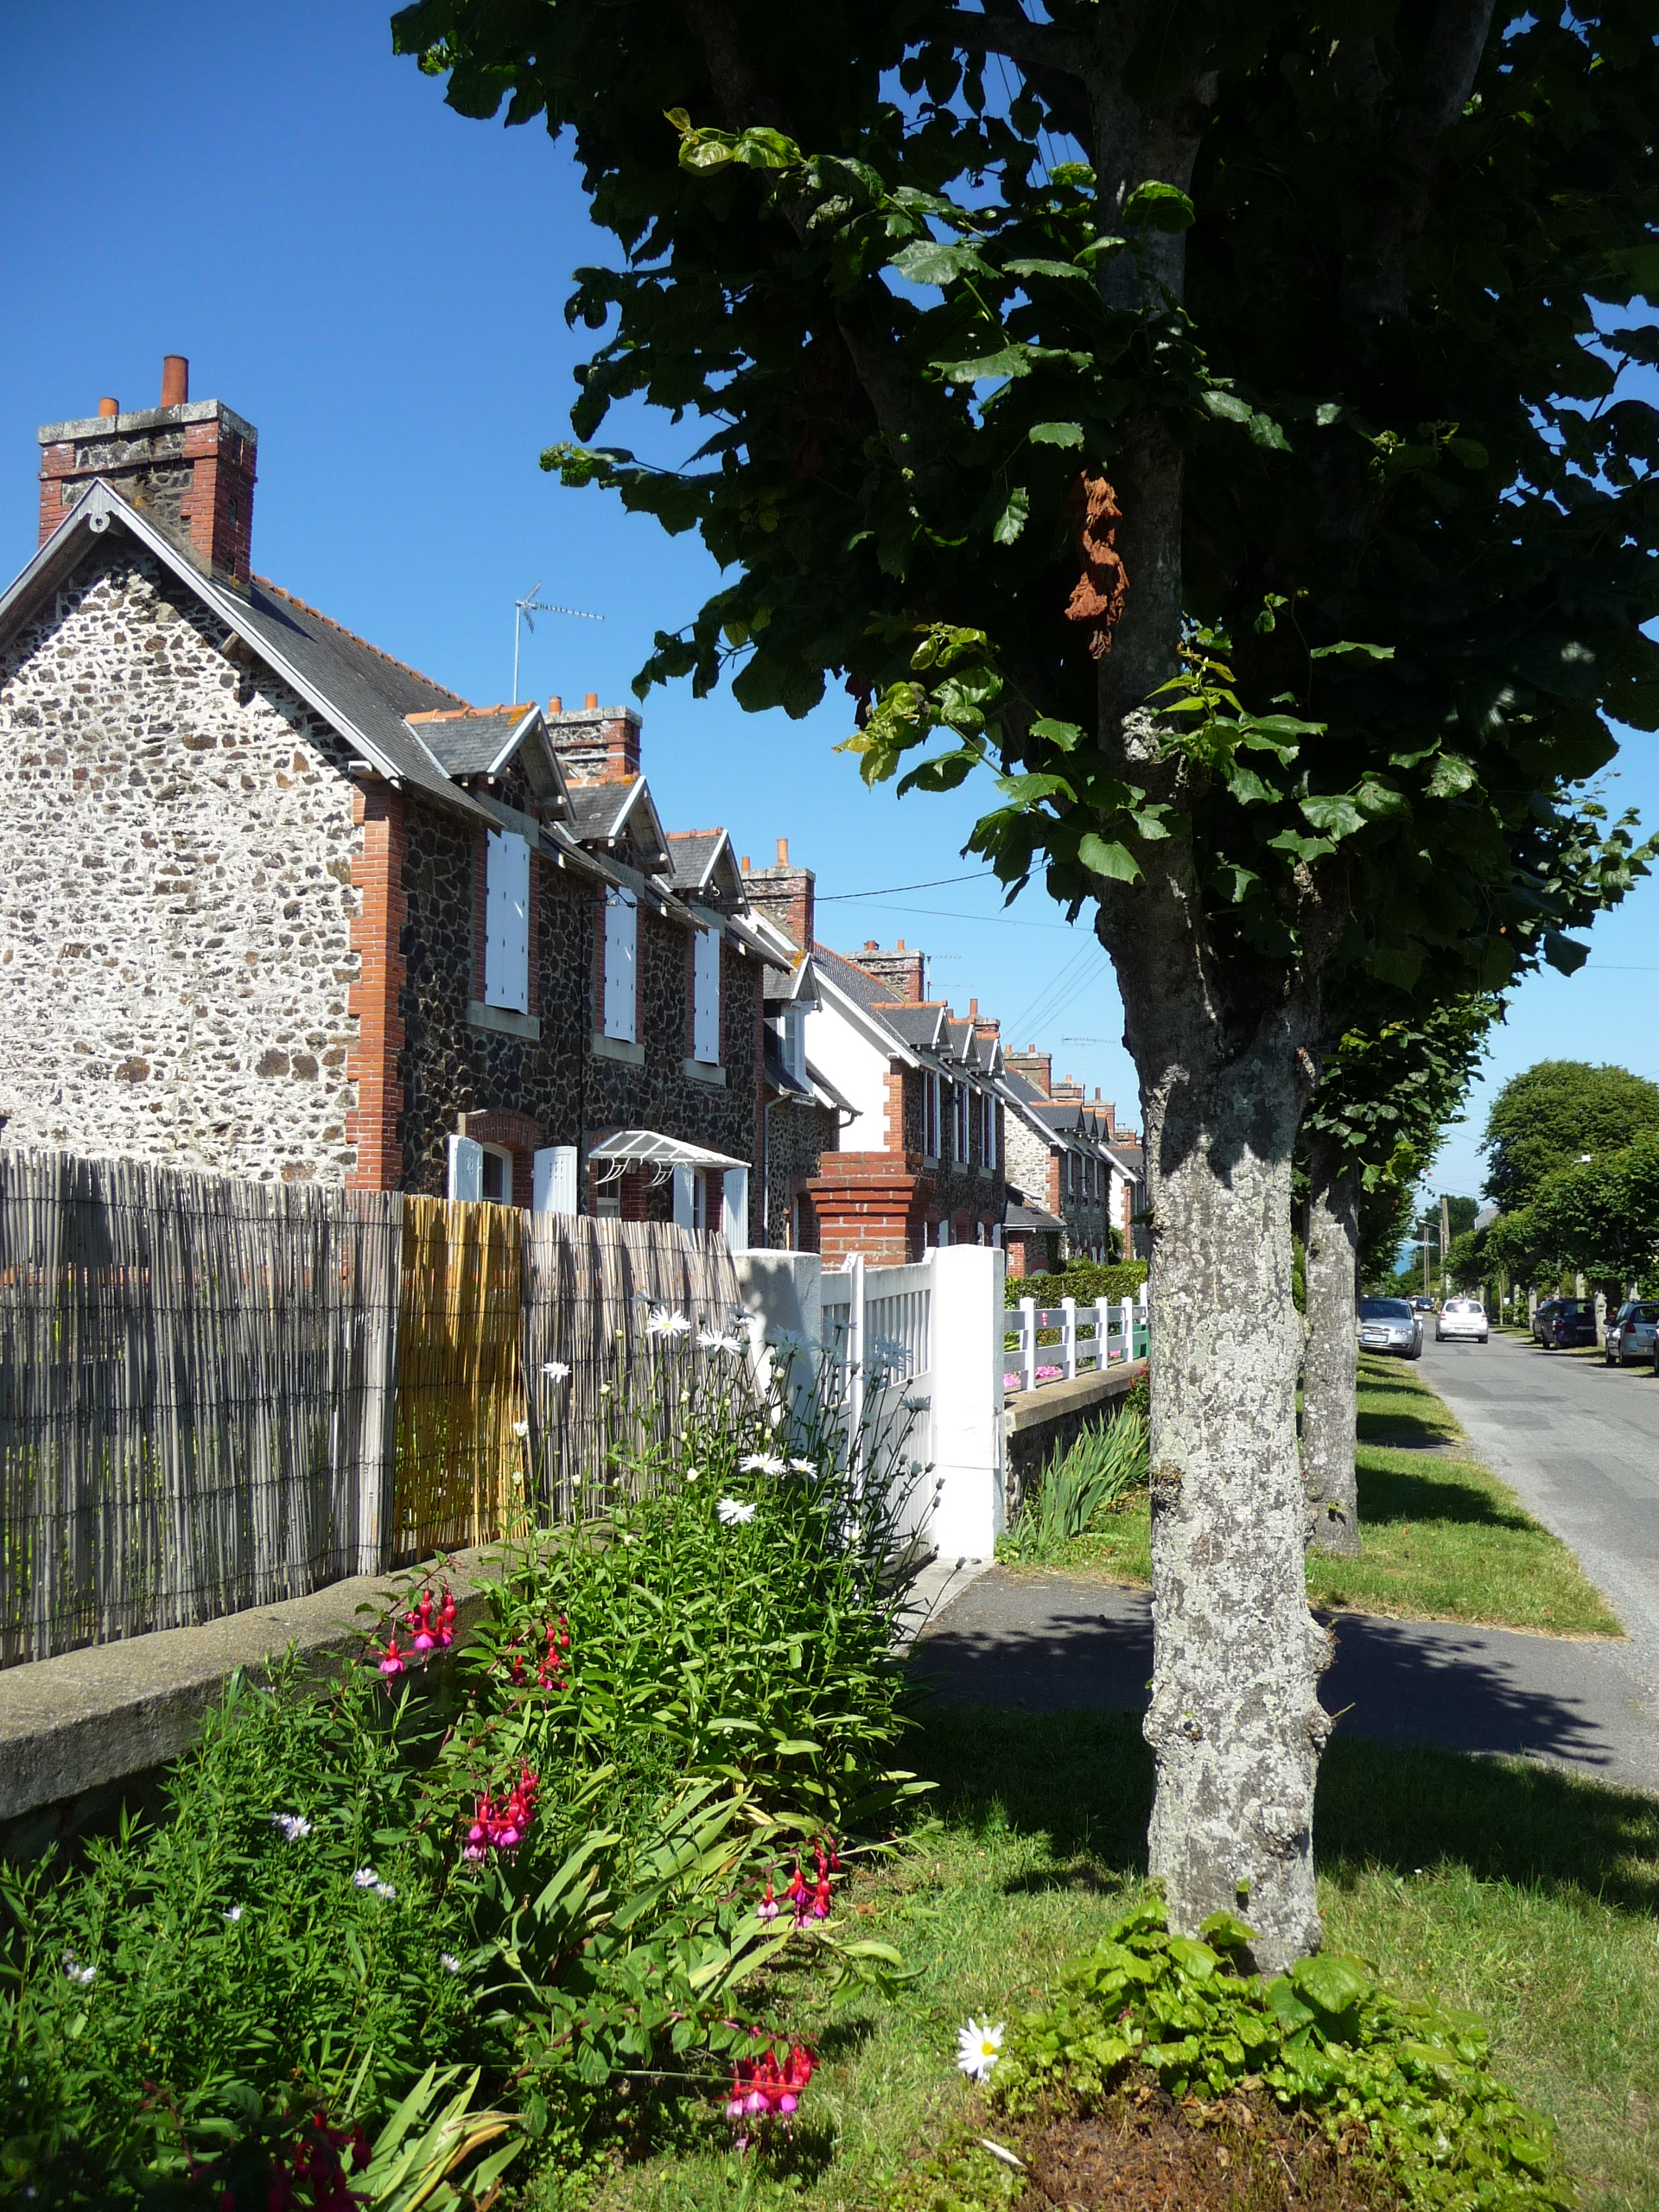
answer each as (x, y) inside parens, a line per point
(1069, 1337)
(968, 1464)
(1028, 1344)
(782, 1296)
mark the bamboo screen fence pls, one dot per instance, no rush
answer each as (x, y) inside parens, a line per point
(216, 1394)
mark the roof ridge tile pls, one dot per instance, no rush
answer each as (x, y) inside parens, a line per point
(317, 615)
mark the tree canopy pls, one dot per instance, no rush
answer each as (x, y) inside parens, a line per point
(1547, 1117)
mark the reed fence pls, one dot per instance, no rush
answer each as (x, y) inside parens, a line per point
(217, 1395)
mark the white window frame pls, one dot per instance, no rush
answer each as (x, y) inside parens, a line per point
(506, 921)
(792, 1034)
(503, 1159)
(931, 1132)
(620, 1014)
(705, 998)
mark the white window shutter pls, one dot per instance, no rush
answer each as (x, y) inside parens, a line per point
(685, 1198)
(621, 966)
(465, 1168)
(506, 922)
(705, 997)
(734, 1214)
(554, 1186)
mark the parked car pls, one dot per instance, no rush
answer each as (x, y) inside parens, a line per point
(1632, 1333)
(1422, 1306)
(1560, 1324)
(1391, 1324)
(1460, 1317)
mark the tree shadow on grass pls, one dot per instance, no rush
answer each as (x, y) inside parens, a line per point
(1391, 1494)
(1082, 1781)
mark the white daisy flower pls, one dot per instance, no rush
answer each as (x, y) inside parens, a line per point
(233, 1915)
(731, 1511)
(556, 1370)
(384, 1890)
(979, 2045)
(294, 1826)
(366, 1878)
(664, 1324)
(762, 1462)
(449, 1962)
(804, 1467)
(521, 1429)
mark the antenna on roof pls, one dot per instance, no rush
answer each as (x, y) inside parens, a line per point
(526, 610)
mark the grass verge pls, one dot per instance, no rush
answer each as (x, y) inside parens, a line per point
(1444, 1539)
(1523, 1895)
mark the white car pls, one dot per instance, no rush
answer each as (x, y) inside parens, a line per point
(1460, 1317)
(1630, 1333)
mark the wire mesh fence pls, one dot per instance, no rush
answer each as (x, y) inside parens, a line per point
(217, 1395)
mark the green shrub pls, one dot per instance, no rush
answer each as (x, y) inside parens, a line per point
(1105, 1464)
(1080, 1280)
(1410, 2081)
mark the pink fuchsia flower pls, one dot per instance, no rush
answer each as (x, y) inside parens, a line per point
(767, 1911)
(502, 1827)
(392, 1663)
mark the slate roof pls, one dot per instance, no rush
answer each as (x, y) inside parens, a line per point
(695, 855)
(923, 1028)
(476, 742)
(1034, 1217)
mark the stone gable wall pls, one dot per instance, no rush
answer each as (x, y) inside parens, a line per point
(176, 905)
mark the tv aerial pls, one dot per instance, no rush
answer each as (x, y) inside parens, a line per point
(526, 610)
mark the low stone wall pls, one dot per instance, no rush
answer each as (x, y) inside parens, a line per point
(1038, 1423)
(82, 1734)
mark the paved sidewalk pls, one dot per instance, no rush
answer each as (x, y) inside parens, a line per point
(1045, 1642)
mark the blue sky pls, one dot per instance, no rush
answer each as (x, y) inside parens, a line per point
(378, 286)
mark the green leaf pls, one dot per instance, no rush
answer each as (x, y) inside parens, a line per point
(927, 262)
(1351, 645)
(1264, 431)
(1159, 206)
(1563, 954)
(1102, 859)
(1013, 516)
(1378, 801)
(1247, 787)
(1012, 362)
(1046, 269)
(1056, 434)
(1066, 737)
(1228, 405)
(1335, 813)
(1150, 825)
(1331, 1983)
(1451, 773)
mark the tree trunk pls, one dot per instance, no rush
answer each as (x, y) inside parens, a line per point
(1331, 1355)
(1235, 1720)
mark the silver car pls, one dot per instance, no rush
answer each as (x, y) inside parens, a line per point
(1390, 1325)
(1630, 1333)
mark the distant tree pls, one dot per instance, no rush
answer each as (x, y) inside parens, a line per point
(1030, 363)
(1550, 1116)
(1374, 1124)
(1601, 1217)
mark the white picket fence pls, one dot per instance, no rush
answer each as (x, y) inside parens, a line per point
(1091, 1336)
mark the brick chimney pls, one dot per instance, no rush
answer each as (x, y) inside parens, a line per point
(784, 894)
(904, 973)
(595, 744)
(1038, 1068)
(188, 465)
(1069, 1088)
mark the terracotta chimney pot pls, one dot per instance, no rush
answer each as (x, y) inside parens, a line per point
(556, 705)
(871, 946)
(745, 864)
(782, 852)
(108, 408)
(176, 380)
(591, 702)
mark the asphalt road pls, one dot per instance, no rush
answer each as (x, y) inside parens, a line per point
(1579, 1444)
(1578, 1441)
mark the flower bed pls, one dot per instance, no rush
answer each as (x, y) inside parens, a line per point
(412, 1926)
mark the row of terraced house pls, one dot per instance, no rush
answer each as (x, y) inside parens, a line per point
(278, 906)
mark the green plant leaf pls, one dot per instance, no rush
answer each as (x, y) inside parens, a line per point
(1108, 860)
(1158, 207)
(1056, 434)
(1013, 516)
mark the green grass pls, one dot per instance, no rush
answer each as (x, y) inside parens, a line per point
(1444, 1539)
(1518, 1893)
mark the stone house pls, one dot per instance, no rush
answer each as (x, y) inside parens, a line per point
(277, 906)
(1075, 1188)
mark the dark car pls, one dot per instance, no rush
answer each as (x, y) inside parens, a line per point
(1560, 1324)
(1391, 1324)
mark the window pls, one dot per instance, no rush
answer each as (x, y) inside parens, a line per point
(792, 1029)
(705, 997)
(621, 1011)
(496, 1178)
(479, 1171)
(959, 1104)
(931, 1116)
(506, 921)
(988, 1129)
